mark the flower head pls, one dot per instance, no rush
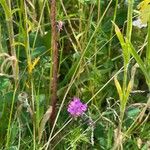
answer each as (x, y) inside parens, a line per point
(76, 107)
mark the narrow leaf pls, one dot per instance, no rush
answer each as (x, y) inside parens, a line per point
(117, 84)
(44, 121)
(138, 59)
(131, 82)
(123, 44)
(119, 35)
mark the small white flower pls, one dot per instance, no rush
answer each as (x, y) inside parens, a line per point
(138, 23)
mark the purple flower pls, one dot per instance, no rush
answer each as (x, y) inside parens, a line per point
(76, 107)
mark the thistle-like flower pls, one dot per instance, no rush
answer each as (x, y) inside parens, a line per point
(76, 107)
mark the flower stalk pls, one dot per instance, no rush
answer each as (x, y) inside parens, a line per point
(54, 61)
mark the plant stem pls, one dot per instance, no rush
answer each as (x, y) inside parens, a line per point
(1, 47)
(126, 56)
(99, 10)
(112, 28)
(148, 48)
(128, 36)
(54, 61)
(12, 41)
(10, 119)
(129, 19)
(9, 22)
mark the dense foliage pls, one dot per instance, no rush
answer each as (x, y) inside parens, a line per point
(103, 75)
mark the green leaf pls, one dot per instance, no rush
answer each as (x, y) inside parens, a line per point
(38, 51)
(117, 84)
(138, 59)
(44, 121)
(123, 44)
(132, 113)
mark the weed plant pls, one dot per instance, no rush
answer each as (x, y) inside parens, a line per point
(102, 76)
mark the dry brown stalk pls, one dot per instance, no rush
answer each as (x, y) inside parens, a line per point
(54, 61)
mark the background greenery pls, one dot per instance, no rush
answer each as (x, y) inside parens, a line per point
(103, 60)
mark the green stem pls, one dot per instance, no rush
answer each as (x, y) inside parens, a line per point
(126, 59)
(34, 117)
(11, 38)
(99, 10)
(28, 54)
(1, 47)
(9, 22)
(26, 36)
(112, 28)
(128, 35)
(148, 48)
(10, 119)
(129, 19)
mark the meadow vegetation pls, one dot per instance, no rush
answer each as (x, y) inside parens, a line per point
(77, 78)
